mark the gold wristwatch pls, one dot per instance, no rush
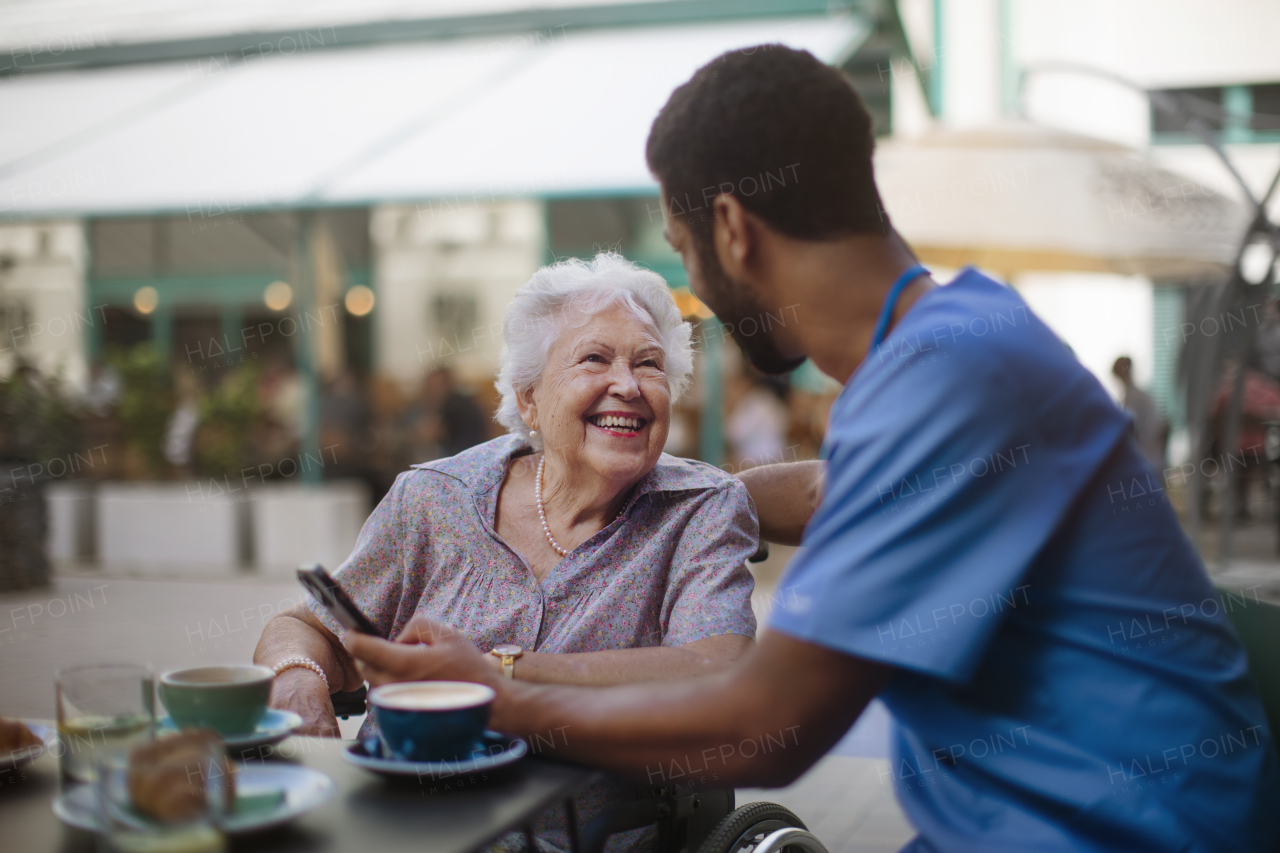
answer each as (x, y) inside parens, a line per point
(508, 654)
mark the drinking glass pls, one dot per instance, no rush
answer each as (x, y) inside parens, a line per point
(102, 709)
(188, 826)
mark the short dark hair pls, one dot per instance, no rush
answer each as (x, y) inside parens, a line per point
(788, 133)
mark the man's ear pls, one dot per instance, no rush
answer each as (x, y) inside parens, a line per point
(733, 232)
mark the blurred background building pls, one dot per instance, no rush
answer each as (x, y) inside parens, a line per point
(280, 236)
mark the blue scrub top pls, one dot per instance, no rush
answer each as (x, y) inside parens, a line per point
(1067, 678)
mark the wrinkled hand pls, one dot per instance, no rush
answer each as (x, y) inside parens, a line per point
(424, 651)
(304, 693)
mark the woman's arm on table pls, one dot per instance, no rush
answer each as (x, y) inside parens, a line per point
(786, 495)
(297, 633)
(629, 666)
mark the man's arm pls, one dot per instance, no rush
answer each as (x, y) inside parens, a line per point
(762, 723)
(631, 666)
(785, 495)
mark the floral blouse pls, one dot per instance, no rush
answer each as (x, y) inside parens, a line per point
(670, 570)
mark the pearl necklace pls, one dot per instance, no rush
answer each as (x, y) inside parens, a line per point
(542, 515)
(537, 493)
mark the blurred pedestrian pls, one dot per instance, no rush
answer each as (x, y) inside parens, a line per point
(180, 430)
(280, 393)
(443, 421)
(344, 427)
(756, 428)
(104, 390)
(1148, 424)
(1268, 343)
(1259, 405)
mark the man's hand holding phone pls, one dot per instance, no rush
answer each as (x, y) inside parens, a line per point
(424, 651)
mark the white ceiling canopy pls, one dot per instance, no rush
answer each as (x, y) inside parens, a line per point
(55, 25)
(554, 114)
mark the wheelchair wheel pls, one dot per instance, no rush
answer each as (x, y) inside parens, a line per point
(744, 828)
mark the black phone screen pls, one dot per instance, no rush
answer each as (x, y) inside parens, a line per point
(321, 584)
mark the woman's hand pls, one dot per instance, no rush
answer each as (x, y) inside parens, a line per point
(424, 651)
(304, 693)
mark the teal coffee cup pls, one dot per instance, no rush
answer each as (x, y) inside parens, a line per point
(230, 699)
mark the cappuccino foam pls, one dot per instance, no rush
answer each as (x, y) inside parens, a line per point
(426, 697)
(227, 674)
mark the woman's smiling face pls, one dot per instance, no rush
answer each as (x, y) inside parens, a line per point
(603, 402)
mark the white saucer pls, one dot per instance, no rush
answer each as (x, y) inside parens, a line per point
(26, 755)
(18, 757)
(276, 725)
(304, 788)
(492, 752)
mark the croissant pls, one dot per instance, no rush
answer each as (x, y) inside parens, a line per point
(168, 776)
(14, 735)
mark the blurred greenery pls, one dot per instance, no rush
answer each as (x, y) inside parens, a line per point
(38, 421)
(146, 403)
(228, 415)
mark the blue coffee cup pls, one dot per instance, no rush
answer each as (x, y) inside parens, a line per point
(431, 720)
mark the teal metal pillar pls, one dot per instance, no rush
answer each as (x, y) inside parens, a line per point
(306, 345)
(162, 332)
(1237, 103)
(711, 431)
(93, 334)
(230, 322)
(939, 50)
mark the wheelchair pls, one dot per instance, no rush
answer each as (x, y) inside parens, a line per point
(687, 821)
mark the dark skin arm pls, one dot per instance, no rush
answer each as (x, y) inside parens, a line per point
(785, 495)
(630, 666)
(785, 690)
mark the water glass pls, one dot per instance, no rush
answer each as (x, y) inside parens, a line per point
(191, 798)
(103, 709)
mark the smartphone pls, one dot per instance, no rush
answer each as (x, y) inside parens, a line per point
(319, 583)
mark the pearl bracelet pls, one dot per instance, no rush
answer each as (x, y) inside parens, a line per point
(304, 663)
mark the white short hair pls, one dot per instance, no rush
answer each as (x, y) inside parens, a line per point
(534, 320)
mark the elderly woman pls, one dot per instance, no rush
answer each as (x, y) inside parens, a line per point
(574, 538)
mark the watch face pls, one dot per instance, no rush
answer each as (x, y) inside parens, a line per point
(507, 649)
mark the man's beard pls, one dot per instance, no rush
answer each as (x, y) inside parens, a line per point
(734, 304)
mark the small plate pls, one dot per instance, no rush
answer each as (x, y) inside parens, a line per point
(276, 725)
(26, 755)
(304, 788)
(493, 751)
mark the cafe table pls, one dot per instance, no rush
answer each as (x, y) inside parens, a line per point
(368, 812)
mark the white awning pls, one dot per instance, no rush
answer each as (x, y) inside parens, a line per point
(486, 117)
(1018, 197)
(53, 26)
